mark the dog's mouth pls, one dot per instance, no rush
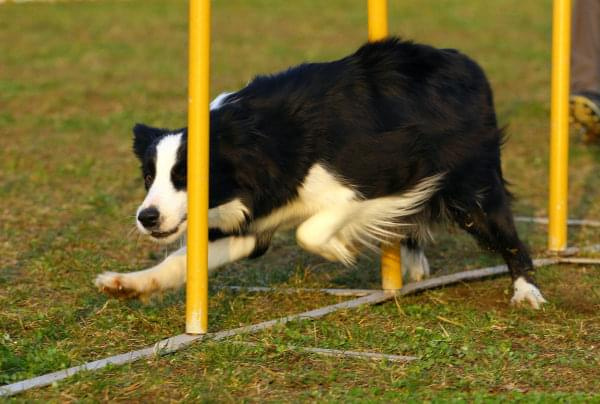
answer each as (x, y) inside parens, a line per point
(165, 234)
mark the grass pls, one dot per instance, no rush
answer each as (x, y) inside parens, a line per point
(75, 77)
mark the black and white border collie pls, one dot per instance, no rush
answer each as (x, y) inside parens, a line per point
(354, 153)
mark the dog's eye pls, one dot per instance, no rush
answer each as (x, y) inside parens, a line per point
(179, 179)
(148, 180)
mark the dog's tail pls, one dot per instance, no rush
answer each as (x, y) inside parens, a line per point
(379, 221)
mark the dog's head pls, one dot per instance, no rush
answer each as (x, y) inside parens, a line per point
(236, 167)
(163, 154)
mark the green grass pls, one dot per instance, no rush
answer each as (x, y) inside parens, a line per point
(75, 77)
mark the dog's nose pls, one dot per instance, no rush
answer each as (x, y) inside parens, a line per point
(149, 217)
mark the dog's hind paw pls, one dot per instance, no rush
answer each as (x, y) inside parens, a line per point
(527, 292)
(117, 285)
(415, 266)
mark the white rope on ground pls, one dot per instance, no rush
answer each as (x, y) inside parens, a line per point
(178, 342)
(344, 354)
(570, 222)
(355, 354)
(582, 261)
(334, 292)
(590, 248)
(436, 282)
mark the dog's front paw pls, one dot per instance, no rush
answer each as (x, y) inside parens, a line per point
(527, 292)
(117, 285)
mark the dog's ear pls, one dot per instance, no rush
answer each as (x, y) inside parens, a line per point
(144, 136)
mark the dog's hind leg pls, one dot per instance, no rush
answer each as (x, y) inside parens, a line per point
(317, 234)
(171, 273)
(335, 232)
(415, 266)
(491, 222)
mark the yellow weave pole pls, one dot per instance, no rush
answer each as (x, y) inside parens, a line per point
(559, 126)
(196, 315)
(378, 19)
(391, 264)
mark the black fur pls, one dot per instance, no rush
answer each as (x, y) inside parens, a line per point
(383, 118)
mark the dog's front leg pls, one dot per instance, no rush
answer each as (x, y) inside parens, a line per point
(171, 273)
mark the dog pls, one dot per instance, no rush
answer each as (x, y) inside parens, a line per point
(366, 150)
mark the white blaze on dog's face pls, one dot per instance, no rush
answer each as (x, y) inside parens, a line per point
(163, 213)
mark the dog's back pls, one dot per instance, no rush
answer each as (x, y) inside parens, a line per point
(382, 119)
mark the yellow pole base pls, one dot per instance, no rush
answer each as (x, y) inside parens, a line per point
(391, 267)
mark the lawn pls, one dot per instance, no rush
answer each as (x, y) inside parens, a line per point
(76, 76)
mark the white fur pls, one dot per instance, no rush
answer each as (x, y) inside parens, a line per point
(218, 101)
(525, 291)
(230, 249)
(171, 273)
(415, 266)
(320, 190)
(228, 216)
(171, 203)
